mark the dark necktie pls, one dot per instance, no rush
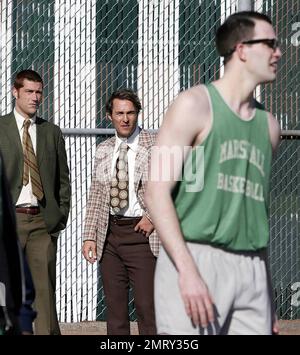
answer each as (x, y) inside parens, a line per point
(119, 184)
(30, 164)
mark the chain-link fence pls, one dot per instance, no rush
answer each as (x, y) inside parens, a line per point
(87, 48)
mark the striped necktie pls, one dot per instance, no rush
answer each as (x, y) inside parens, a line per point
(30, 164)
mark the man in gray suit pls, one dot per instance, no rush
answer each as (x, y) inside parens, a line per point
(36, 165)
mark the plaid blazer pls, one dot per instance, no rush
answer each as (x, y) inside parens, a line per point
(98, 206)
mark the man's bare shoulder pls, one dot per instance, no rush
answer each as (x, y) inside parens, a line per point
(191, 105)
(194, 98)
(187, 118)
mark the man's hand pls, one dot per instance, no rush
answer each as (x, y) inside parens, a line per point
(197, 300)
(275, 325)
(89, 251)
(144, 226)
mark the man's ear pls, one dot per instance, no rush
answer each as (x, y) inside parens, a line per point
(240, 50)
(109, 116)
(15, 93)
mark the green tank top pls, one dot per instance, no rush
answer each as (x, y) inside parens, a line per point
(231, 210)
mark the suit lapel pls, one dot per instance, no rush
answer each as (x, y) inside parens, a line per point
(106, 161)
(141, 158)
(40, 140)
(14, 136)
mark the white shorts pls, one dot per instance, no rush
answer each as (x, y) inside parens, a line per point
(238, 285)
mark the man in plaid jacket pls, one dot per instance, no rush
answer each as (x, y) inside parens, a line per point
(123, 239)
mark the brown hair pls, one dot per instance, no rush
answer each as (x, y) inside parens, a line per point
(123, 94)
(28, 74)
(237, 28)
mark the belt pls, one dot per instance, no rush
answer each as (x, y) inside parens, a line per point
(122, 221)
(28, 210)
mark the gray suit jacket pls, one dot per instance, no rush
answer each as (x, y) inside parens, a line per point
(52, 163)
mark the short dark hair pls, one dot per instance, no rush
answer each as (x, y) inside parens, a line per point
(28, 74)
(237, 28)
(123, 94)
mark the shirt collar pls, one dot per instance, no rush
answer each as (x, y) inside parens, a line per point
(20, 119)
(131, 141)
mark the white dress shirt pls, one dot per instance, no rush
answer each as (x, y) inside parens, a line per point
(133, 208)
(26, 197)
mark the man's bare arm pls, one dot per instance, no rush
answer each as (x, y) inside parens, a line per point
(185, 121)
(274, 131)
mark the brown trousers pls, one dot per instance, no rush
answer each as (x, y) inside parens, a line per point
(40, 249)
(127, 260)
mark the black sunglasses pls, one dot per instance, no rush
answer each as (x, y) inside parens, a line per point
(270, 42)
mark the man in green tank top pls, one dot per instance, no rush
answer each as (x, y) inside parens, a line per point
(211, 275)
